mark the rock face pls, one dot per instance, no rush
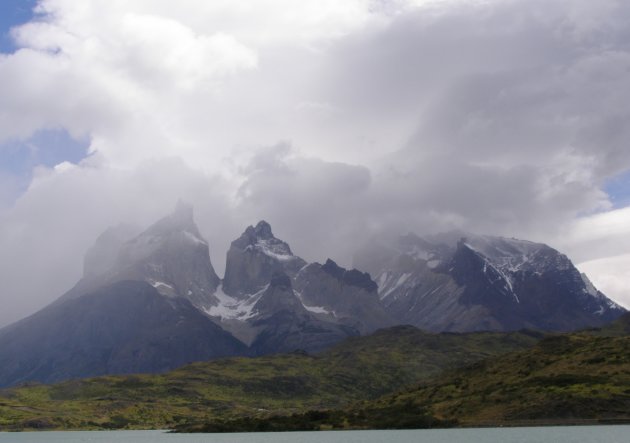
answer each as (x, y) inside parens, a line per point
(258, 305)
(171, 255)
(127, 327)
(347, 297)
(284, 325)
(253, 258)
(257, 302)
(465, 282)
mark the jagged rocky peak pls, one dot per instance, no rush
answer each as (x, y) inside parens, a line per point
(176, 229)
(262, 230)
(174, 257)
(351, 277)
(171, 255)
(254, 257)
(261, 239)
(338, 295)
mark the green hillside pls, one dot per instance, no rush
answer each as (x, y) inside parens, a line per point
(358, 369)
(576, 378)
(572, 378)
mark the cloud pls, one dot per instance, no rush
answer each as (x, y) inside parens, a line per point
(47, 231)
(610, 275)
(598, 236)
(332, 120)
(502, 82)
(180, 72)
(319, 206)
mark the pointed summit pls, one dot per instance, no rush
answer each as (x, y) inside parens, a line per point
(254, 257)
(351, 277)
(171, 255)
(339, 295)
(263, 230)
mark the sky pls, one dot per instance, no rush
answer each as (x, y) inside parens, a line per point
(334, 121)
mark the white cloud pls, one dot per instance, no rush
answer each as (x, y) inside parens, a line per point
(497, 116)
(598, 236)
(151, 78)
(610, 275)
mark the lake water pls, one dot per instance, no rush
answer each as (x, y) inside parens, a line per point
(560, 434)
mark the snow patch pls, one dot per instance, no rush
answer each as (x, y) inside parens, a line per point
(313, 309)
(432, 264)
(421, 254)
(316, 309)
(161, 284)
(382, 279)
(589, 287)
(508, 255)
(273, 248)
(503, 265)
(229, 308)
(194, 239)
(389, 289)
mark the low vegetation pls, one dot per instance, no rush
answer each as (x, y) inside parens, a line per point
(254, 389)
(396, 378)
(578, 378)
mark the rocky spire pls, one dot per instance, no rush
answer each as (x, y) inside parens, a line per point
(171, 255)
(254, 257)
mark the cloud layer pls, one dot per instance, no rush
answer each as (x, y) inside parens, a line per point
(332, 120)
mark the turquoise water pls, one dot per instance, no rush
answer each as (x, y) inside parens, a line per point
(560, 434)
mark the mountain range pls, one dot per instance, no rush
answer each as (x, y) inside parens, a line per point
(150, 301)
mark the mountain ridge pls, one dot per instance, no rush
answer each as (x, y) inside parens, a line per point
(461, 281)
(271, 300)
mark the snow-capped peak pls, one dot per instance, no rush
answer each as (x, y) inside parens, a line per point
(261, 239)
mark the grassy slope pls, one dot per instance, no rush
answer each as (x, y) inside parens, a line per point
(358, 369)
(563, 379)
(574, 378)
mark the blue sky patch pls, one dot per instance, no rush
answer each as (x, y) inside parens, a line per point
(47, 147)
(618, 189)
(13, 13)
